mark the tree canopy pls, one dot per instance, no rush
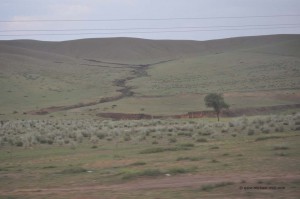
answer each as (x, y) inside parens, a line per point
(216, 101)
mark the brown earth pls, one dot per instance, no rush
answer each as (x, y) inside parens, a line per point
(182, 181)
(201, 114)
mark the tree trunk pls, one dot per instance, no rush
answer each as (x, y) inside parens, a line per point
(218, 116)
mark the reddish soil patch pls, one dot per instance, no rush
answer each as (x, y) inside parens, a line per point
(201, 114)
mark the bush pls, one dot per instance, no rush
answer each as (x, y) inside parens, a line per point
(73, 170)
(267, 138)
(280, 148)
(251, 132)
(127, 138)
(187, 145)
(187, 134)
(189, 158)
(172, 140)
(147, 172)
(19, 143)
(177, 170)
(161, 149)
(137, 164)
(201, 140)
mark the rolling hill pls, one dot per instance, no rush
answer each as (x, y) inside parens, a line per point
(85, 77)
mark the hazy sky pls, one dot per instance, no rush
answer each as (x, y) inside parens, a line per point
(213, 27)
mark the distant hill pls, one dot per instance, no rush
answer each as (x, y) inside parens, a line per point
(156, 76)
(134, 50)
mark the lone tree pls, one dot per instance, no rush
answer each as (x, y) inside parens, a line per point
(216, 101)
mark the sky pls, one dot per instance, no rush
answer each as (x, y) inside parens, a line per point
(150, 19)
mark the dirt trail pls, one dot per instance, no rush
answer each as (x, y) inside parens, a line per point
(190, 181)
(137, 70)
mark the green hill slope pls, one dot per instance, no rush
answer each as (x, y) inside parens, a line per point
(163, 76)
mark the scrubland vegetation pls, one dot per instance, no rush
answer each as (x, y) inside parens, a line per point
(99, 155)
(29, 133)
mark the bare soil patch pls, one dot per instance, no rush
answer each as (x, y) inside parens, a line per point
(200, 114)
(183, 181)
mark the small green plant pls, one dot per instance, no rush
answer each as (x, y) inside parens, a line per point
(178, 170)
(138, 164)
(267, 138)
(280, 148)
(143, 173)
(201, 140)
(73, 170)
(251, 132)
(189, 158)
(187, 145)
(281, 154)
(162, 149)
(172, 140)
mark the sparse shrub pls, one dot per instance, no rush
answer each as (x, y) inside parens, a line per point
(177, 170)
(172, 140)
(251, 132)
(267, 138)
(138, 164)
(101, 135)
(162, 149)
(230, 124)
(187, 145)
(50, 142)
(260, 182)
(189, 158)
(281, 154)
(73, 170)
(147, 172)
(209, 187)
(127, 138)
(142, 138)
(206, 133)
(154, 142)
(19, 143)
(201, 140)
(86, 134)
(187, 134)
(224, 130)
(265, 130)
(280, 148)
(271, 125)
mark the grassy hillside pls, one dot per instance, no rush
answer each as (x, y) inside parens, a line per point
(159, 76)
(55, 142)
